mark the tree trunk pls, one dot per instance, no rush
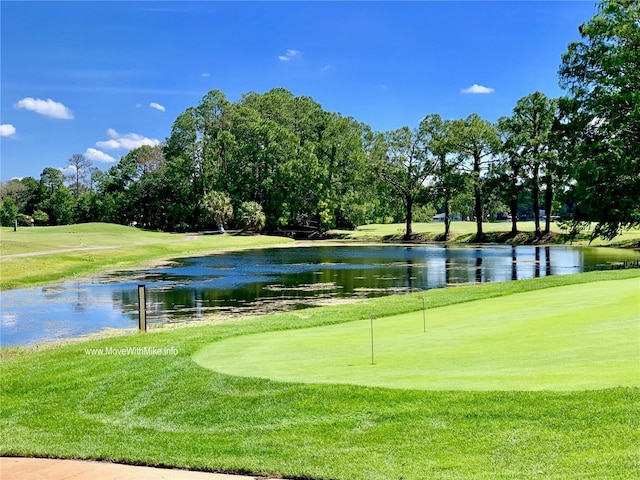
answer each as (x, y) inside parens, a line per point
(548, 199)
(447, 197)
(536, 199)
(477, 211)
(409, 204)
(513, 208)
(478, 201)
(447, 216)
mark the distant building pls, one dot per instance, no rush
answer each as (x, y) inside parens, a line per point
(439, 217)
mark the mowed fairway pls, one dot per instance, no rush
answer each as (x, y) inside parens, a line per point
(80, 401)
(574, 337)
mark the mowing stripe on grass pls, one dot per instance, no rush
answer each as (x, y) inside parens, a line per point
(165, 410)
(574, 337)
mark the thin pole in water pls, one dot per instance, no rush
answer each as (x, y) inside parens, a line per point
(142, 308)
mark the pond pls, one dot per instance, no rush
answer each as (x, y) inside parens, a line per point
(280, 279)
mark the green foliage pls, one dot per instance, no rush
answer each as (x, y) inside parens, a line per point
(30, 197)
(251, 216)
(450, 184)
(16, 191)
(602, 73)
(527, 156)
(24, 220)
(424, 213)
(40, 217)
(8, 212)
(475, 141)
(308, 167)
(50, 180)
(88, 206)
(409, 164)
(300, 163)
(80, 171)
(218, 204)
(55, 198)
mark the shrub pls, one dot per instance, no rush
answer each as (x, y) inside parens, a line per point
(251, 216)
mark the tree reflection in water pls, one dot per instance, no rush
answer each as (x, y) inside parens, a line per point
(260, 281)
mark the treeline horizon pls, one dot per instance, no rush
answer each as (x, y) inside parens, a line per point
(299, 163)
(276, 161)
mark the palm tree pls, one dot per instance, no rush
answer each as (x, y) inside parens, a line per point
(219, 205)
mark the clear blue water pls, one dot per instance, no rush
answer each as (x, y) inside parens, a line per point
(273, 280)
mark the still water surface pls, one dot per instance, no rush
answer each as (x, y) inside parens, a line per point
(274, 280)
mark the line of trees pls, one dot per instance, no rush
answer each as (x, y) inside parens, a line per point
(274, 160)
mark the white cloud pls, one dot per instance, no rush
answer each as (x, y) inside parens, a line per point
(126, 141)
(289, 55)
(68, 170)
(7, 130)
(475, 88)
(205, 74)
(47, 107)
(98, 156)
(157, 106)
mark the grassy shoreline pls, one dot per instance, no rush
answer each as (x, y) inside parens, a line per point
(495, 232)
(95, 247)
(41, 255)
(165, 410)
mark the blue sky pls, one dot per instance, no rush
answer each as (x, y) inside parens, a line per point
(100, 78)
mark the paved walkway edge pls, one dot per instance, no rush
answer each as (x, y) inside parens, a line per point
(19, 468)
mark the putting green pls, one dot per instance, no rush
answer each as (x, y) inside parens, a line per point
(574, 337)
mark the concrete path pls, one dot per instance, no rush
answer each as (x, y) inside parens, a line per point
(15, 468)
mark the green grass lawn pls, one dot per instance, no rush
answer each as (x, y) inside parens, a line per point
(574, 337)
(165, 409)
(37, 239)
(436, 228)
(94, 247)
